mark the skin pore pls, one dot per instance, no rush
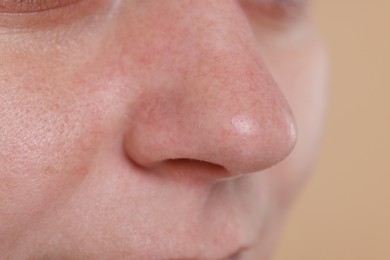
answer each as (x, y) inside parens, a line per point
(170, 129)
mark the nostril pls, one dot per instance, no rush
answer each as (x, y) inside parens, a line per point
(199, 164)
(190, 167)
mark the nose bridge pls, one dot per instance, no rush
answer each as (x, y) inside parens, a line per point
(225, 63)
(231, 77)
(221, 35)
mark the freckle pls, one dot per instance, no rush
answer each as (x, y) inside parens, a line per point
(244, 125)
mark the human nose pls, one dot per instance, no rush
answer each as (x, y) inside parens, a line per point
(222, 107)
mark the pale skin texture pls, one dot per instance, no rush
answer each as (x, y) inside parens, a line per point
(155, 129)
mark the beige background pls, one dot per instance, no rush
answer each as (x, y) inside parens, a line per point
(344, 212)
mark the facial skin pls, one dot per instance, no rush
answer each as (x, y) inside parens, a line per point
(154, 129)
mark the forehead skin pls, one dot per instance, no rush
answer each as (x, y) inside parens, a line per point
(154, 129)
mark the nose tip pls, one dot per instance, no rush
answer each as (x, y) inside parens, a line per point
(254, 139)
(255, 145)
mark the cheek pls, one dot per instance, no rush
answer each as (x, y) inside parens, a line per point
(45, 151)
(52, 125)
(302, 76)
